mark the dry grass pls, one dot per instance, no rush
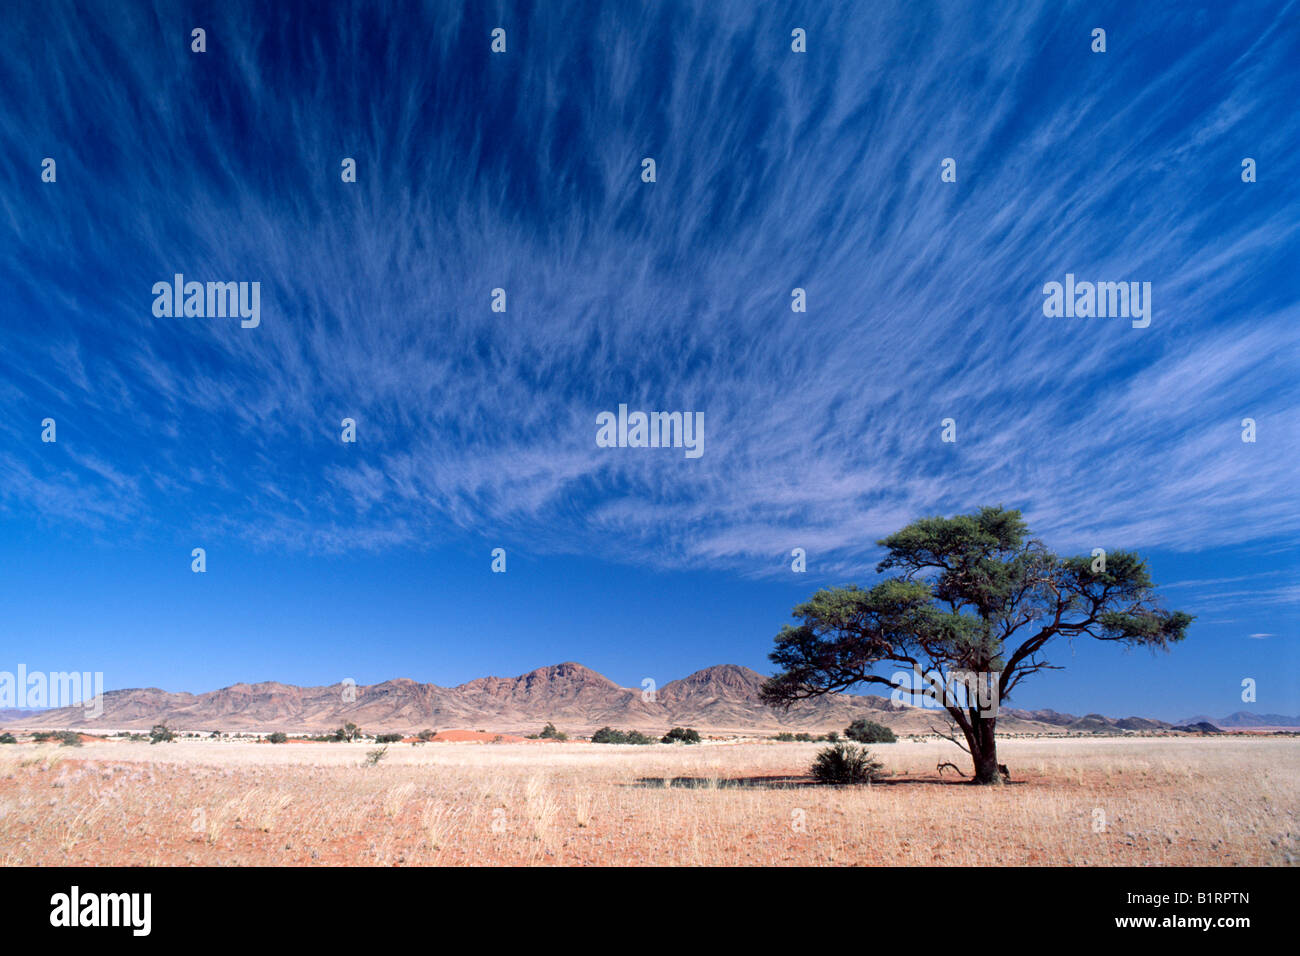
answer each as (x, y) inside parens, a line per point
(1228, 801)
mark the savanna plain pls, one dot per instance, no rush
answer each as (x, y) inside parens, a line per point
(1076, 801)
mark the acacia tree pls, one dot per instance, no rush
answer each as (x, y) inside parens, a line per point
(972, 595)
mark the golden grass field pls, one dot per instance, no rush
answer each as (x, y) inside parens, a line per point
(1103, 801)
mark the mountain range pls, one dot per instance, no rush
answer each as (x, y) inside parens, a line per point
(577, 699)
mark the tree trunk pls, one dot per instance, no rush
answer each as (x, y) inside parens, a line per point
(984, 750)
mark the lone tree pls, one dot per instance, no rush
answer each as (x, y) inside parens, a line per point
(974, 602)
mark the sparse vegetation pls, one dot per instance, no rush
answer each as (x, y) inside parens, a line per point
(869, 732)
(374, 756)
(845, 764)
(8, 738)
(388, 739)
(276, 738)
(607, 735)
(1165, 798)
(427, 735)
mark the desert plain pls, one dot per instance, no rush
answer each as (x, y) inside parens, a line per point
(1229, 800)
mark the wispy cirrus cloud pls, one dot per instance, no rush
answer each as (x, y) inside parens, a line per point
(776, 170)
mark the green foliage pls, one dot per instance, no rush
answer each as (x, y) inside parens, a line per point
(159, 734)
(428, 735)
(869, 732)
(388, 739)
(276, 738)
(68, 738)
(7, 738)
(845, 764)
(831, 737)
(687, 735)
(607, 735)
(550, 733)
(973, 594)
(785, 737)
(347, 733)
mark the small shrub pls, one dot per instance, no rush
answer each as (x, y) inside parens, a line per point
(845, 764)
(550, 733)
(276, 738)
(8, 739)
(869, 732)
(831, 737)
(374, 756)
(159, 734)
(388, 739)
(687, 735)
(428, 734)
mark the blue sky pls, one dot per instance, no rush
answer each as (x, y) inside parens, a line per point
(775, 170)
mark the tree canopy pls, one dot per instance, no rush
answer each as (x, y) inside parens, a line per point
(971, 594)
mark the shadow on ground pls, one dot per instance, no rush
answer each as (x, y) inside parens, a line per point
(725, 783)
(785, 783)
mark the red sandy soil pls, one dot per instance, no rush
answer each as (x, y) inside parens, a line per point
(475, 736)
(444, 736)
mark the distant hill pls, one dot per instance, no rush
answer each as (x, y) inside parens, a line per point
(9, 715)
(1200, 727)
(1244, 718)
(577, 699)
(1093, 723)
